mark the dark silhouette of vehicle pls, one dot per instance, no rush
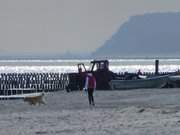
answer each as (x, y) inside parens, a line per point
(99, 68)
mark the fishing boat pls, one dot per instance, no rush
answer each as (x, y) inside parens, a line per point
(150, 82)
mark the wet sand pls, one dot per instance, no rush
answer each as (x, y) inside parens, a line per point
(132, 112)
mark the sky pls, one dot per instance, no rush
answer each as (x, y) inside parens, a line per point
(75, 26)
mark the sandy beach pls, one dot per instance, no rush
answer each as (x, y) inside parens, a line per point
(132, 112)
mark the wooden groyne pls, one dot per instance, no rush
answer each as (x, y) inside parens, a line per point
(18, 83)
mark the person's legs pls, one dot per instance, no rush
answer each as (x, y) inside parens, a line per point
(92, 97)
(89, 96)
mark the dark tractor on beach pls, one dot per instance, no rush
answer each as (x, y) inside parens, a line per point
(99, 68)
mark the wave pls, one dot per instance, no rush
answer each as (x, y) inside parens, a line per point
(64, 66)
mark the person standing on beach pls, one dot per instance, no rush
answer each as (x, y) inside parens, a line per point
(90, 86)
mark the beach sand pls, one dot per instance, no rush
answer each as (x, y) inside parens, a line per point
(132, 112)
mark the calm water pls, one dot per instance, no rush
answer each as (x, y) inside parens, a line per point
(63, 66)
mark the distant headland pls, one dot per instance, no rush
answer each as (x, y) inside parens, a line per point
(148, 35)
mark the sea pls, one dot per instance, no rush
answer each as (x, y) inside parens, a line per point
(70, 65)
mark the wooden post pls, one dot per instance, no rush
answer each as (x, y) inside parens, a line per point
(156, 67)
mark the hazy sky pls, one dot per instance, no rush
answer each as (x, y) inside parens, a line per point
(58, 26)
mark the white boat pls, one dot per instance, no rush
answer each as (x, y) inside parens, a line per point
(152, 82)
(20, 96)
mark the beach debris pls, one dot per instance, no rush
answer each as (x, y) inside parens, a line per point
(41, 132)
(168, 111)
(141, 110)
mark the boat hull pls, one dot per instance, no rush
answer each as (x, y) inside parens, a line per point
(174, 81)
(153, 82)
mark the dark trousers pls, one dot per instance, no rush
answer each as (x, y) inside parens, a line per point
(90, 96)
